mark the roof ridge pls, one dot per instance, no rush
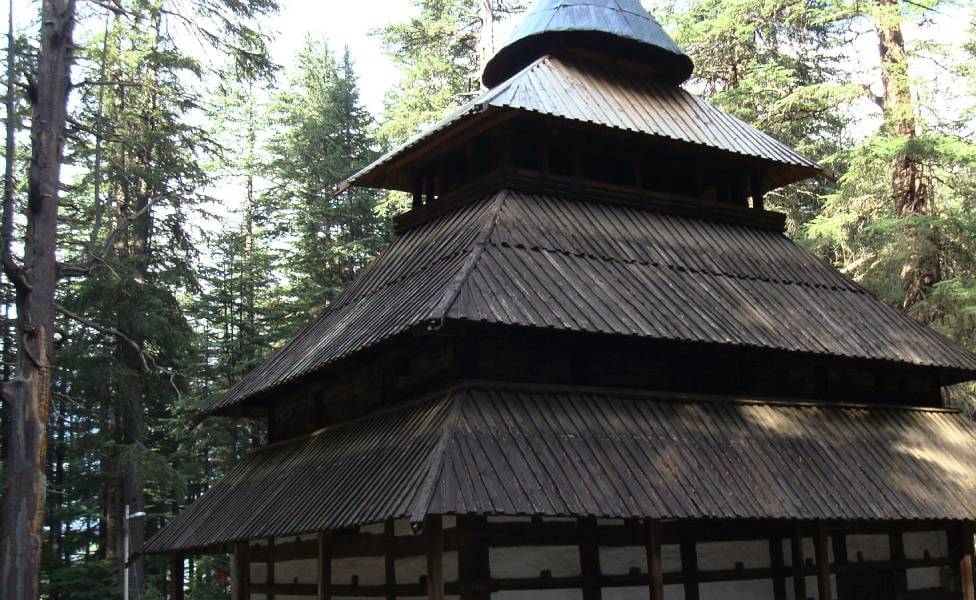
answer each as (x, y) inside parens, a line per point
(440, 311)
(677, 268)
(425, 495)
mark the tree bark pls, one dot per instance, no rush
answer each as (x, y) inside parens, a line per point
(910, 185)
(486, 43)
(28, 392)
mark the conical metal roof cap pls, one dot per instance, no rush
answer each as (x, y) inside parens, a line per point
(616, 28)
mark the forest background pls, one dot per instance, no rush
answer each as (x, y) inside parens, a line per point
(197, 229)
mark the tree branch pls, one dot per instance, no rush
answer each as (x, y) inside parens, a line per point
(98, 258)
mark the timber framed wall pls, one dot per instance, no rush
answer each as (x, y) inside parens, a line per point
(504, 558)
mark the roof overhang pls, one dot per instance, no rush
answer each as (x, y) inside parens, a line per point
(525, 450)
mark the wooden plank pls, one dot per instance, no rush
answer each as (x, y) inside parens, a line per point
(176, 577)
(966, 562)
(269, 580)
(838, 541)
(799, 577)
(776, 561)
(589, 554)
(324, 580)
(389, 559)
(242, 564)
(689, 566)
(474, 569)
(896, 547)
(434, 535)
(820, 541)
(652, 543)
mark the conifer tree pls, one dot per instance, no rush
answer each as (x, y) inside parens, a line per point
(325, 136)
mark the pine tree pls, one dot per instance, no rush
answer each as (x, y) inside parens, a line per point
(326, 135)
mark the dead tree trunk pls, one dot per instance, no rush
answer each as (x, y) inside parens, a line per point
(28, 392)
(910, 186)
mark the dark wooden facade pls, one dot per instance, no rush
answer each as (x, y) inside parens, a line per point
(591, 366)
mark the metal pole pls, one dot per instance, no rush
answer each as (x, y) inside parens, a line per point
(125, 555)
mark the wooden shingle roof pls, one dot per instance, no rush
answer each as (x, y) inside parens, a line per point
(508, 450)
(598, 94)
(530, 260)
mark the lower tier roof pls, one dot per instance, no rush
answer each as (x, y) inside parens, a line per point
(530, 260)
(508, 450)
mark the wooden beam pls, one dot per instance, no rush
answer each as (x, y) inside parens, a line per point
(242, 566)
(434, 534)
(799, 577)
(324, 579)
(652, 543)
(589, 554)
(896, 548)
(820, 541)
(966, 562)
(757, 193)
(176, 577)
(689, 565)
(776, 562)
(389, 559)
(418, 192)
(474, 568)
(270, 578)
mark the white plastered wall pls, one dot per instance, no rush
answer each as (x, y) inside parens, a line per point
(564, 561)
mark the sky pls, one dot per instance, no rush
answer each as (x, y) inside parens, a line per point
(343, 23)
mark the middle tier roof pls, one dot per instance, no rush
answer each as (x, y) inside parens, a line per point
(539, 261)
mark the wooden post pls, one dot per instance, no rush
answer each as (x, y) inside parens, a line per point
(242, 565)
(176, 573)
(839, 543)
(823, 562)
(757, 193)
(474, 566)
(270, 578)
(966, 562)
(896, 547)
(639, 169)
(799, 578)
(689, 566)
(389, 558)
(324, 579)
(589, 553)
(776, 561)
(418, 192)
(652, 542)
(434, 532)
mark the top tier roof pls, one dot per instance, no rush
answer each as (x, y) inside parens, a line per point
(622, 29)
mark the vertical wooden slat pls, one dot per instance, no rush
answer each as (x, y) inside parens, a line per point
(389, 559)
(434, 534)
(589, 553)
(689, 566)
(799, 579)
(270, 578)
(896, 546)
(838, 540)
(242, 564)
(418, 192)
(655, 575)
(324, 579)
(474, 567)
(776, 560)
(966, 562)
(757, 193)
(820, 541)
(176, 572)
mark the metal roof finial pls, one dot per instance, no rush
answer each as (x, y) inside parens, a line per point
(620, 29)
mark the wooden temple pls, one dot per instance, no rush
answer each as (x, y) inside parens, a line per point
(591, 366)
